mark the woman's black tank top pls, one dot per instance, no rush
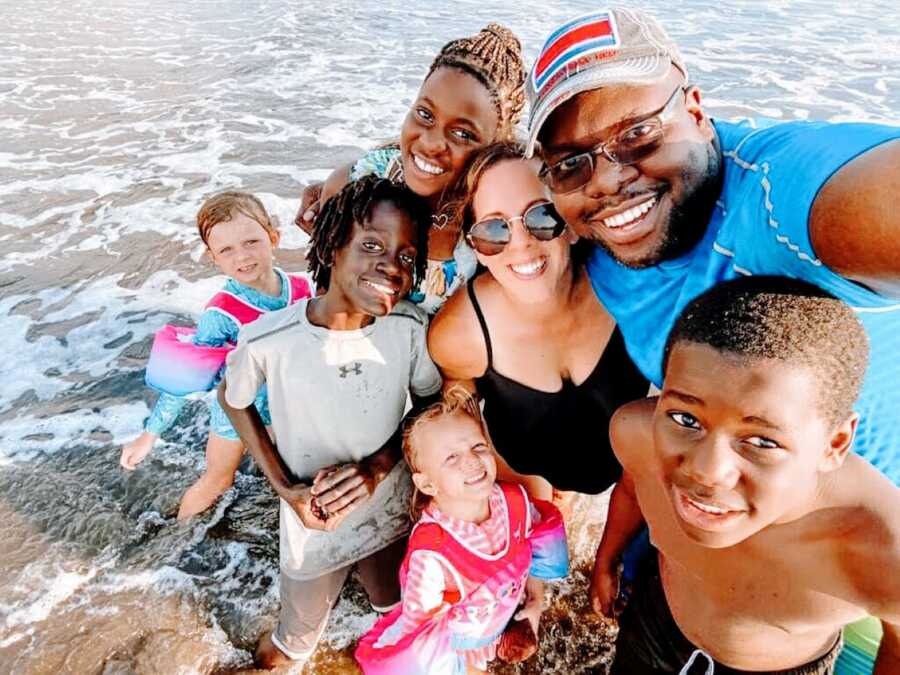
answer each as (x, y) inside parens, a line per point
(564, 435)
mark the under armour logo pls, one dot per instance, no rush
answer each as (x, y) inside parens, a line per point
(356, 369)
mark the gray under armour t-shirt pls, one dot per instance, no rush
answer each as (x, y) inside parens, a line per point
(335, 397)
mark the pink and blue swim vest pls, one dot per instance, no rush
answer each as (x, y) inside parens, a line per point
(179, 367)
(475, 620)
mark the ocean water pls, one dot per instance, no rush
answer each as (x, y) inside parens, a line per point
(117, 118)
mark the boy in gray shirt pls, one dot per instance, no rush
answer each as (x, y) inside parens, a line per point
(338, 369)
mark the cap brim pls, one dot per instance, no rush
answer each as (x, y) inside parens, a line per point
(643, 70)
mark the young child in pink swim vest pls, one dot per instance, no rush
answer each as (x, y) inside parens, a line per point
(240, 238)
(476, 558)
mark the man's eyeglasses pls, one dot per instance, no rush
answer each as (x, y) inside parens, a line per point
(491, 235)
(637, 142)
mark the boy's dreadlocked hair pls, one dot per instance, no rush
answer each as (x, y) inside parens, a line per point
(354, 204)
(493, 57)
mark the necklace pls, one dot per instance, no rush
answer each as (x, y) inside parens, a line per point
(439, 221)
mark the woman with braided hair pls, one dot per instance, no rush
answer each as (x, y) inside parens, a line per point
(472, 95)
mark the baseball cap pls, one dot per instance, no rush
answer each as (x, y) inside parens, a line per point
(617, 45)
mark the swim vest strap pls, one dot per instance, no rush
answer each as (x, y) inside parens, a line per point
(299, 288)
(430, 536)
(243, 312)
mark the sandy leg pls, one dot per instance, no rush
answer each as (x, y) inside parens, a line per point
(222, 460)
(268, 656)
(380, 574)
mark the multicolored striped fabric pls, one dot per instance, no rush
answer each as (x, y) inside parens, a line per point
(585, 35)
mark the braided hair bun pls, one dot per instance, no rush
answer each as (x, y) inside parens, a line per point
(493, 56)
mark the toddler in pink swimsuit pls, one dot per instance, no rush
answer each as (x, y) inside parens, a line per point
(476, 558)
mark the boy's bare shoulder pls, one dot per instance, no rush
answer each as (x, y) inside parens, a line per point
(631, 433)
(868, 535)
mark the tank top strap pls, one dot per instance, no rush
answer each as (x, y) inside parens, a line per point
(470, 288)
(427, 536)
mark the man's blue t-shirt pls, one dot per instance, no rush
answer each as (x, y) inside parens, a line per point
(772, 174)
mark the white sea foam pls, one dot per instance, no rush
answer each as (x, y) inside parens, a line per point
(39, 591)
(28, 436)
(13, 637)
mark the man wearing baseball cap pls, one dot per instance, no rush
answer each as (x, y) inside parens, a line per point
(677, 202)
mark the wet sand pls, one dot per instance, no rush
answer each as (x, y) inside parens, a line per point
(130, 626)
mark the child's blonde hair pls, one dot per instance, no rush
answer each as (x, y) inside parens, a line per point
(456, 399)
(223, 206)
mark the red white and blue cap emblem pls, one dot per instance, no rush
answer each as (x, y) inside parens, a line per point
(612, 46)
(577, 38)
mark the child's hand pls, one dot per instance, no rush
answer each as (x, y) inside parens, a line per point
(534, 603)
(326, 471)
(604, 588)
(135, 452)
(339, 490)
(519, 640)
(310, 202)
(301, 500)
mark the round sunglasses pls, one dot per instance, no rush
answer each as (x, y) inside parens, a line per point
(491, 235)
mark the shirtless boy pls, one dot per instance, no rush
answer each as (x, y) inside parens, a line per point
(771, 533)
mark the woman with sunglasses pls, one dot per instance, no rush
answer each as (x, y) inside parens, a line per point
(530, 335)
